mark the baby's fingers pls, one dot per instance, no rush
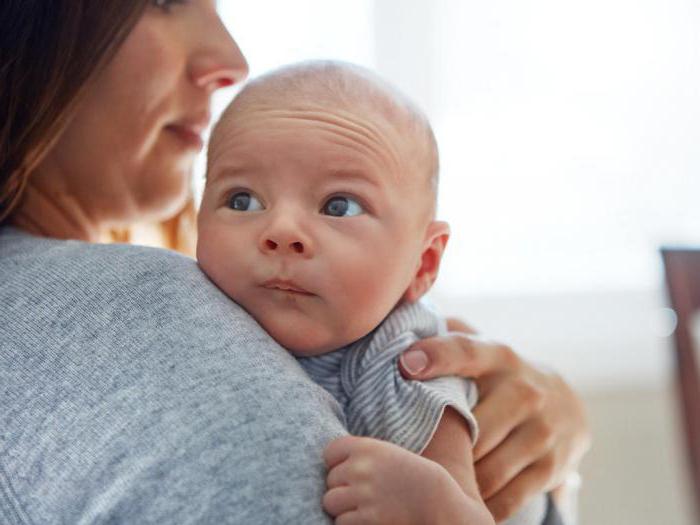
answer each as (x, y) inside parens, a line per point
(354, 517)
(339, 500)
(339, 450)
(339, 475)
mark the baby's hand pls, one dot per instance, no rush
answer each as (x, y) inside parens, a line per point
(376, 482)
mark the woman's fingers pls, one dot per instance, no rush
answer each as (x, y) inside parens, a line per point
(502, 409)
(456, 354)
(533, 428)
(339, 500)
(518, 492)
(525, 446)
(457, 325)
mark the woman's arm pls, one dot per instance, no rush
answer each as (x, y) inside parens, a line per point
(533, 427)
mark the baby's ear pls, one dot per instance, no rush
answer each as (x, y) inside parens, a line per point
(436, 236)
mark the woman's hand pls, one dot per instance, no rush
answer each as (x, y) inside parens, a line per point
(533, 427)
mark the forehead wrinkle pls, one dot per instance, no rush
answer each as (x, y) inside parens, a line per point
(340, 122)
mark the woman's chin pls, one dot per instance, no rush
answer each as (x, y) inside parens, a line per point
(163, 199)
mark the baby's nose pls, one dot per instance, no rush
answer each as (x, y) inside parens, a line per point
(287, 232)
(287, 240)
(294, 246)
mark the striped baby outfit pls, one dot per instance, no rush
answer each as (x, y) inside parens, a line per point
(377, 401)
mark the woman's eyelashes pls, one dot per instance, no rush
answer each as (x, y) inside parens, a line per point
(165, 5)
(244, 201)
(340, 206)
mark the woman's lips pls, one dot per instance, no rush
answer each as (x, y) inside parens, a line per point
(190, 136)
(285, 286)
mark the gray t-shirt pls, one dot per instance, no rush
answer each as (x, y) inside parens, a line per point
(133, 391)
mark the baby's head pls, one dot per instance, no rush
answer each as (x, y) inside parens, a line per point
(318, 212)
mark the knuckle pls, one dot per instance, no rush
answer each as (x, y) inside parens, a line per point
(341, 443)
(366, 445)
(488, 482)
(335, 478)
(466, 345)
(362, 469)
(454, 324)
(466, 355)
(330, 502)
(331, 478)
(506, 506)
(510, 358)
(545, 433)
(529, 393)
(548, 466)
(368, 514)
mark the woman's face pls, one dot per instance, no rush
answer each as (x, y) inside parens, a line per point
(128, 152)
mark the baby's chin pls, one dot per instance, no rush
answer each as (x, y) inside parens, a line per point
(304, 345)
(305, 340)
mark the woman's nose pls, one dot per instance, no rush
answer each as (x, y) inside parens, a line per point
(219, 61)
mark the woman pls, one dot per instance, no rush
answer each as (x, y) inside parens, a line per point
(132, 390)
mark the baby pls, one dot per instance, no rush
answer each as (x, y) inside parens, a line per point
(318, 218)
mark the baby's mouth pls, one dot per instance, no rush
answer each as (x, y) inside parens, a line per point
(286, 286)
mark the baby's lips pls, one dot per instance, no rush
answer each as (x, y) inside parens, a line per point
(285, 285)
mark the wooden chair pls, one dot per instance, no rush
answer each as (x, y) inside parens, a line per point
(682, 267)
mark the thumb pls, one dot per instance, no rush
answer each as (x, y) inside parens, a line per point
(456, 354)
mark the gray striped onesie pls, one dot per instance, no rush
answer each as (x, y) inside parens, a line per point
(377, 401)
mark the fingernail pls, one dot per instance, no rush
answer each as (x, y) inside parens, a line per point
(414, 361)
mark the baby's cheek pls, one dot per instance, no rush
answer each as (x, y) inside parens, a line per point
(359, 311)
(214, 262)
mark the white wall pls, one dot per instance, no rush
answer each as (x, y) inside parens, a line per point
(598, 340)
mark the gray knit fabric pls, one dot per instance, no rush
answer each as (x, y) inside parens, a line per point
(377, 401)
(133, 391)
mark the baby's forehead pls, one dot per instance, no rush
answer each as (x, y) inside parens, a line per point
(368, 109)
(331, 138)
(343, 91)
(288, 126)
(328, 85)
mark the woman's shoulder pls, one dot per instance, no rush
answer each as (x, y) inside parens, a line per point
(25, 253)
(29, 264)
(61, 279)
(126, 368)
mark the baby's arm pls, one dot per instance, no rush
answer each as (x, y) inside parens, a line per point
(451, 447)
(376, 482)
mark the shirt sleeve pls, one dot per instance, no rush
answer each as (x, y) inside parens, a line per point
(381, 403)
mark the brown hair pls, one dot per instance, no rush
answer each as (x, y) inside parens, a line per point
(50, 50)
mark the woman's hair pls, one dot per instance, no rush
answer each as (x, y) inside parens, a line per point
(49, 51)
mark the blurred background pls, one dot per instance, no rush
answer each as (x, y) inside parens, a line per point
(569, 136)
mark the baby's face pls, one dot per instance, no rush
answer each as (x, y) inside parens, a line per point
(312, 222)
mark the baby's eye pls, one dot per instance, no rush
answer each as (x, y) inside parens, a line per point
(244, 201)
(342, 207)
